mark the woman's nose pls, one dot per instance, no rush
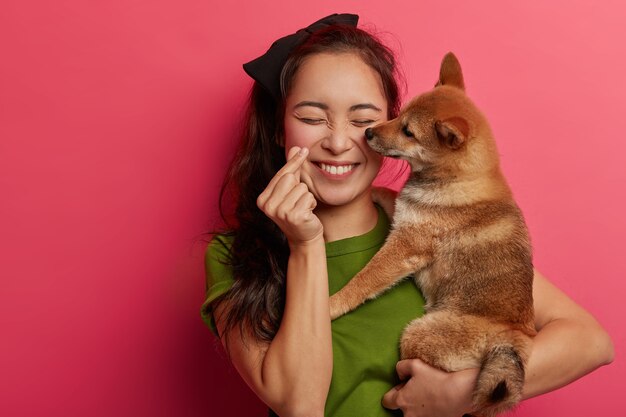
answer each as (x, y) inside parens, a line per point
(338, 141)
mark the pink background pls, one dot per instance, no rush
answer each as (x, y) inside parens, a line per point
(116, 123)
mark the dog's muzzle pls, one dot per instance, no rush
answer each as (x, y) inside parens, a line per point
(369, 133)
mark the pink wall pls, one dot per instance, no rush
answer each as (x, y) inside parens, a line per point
(115, 129)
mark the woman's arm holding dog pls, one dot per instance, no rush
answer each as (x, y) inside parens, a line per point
(570, 342)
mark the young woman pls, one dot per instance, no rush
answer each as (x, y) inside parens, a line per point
(304, 223)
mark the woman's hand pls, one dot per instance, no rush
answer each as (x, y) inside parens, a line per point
(430, 392)
(289, 203)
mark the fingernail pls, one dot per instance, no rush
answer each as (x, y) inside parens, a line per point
(303, 151)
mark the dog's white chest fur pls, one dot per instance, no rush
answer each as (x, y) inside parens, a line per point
(407, 215)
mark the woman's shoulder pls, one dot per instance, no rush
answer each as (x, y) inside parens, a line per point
(218, 274)
(219, 246)
(217, 260)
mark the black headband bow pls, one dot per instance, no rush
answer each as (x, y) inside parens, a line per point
(266, 69)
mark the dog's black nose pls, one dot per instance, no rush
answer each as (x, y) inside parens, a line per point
(369, 133)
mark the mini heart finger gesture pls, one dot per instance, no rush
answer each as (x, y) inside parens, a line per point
(289, 203)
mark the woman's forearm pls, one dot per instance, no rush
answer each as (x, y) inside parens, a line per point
(298, 363)
(563, 351)
(570, 342)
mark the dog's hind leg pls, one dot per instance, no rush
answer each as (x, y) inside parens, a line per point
(454, 342)
(445, 340)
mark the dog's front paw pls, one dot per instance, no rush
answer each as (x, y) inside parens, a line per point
(337, 309)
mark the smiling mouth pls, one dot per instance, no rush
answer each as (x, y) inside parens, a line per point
(336, 169)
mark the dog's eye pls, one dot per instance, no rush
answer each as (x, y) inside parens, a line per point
(407, 132)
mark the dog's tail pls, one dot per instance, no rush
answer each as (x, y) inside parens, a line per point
(501, 378)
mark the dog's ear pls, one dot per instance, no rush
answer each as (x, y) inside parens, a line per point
(450, 72)
(452, 132)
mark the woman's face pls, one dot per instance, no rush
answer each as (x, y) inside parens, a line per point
(333, 99)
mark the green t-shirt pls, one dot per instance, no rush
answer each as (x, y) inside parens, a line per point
(365, 341)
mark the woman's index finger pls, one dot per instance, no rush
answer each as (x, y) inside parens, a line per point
(292, 152)
(295, 158)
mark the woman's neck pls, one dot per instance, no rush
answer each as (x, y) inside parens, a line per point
(352, 219)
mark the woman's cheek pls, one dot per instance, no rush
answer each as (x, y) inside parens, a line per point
(372, 155)
(302, 135)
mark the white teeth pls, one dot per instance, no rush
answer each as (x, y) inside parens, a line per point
(336, 170)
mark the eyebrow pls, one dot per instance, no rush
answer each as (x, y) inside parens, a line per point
(361, 106)
(311, 104)
(364, 106)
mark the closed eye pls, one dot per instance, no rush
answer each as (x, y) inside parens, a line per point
(311, 121)
(363, 123)
(407, 132)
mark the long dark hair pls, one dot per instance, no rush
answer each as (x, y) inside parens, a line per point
(258, 250)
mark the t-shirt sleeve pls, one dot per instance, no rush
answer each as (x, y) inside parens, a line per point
(218, 274)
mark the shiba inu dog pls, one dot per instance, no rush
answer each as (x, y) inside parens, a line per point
(457, 229)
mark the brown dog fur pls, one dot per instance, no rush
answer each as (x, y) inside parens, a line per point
(457, 228)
